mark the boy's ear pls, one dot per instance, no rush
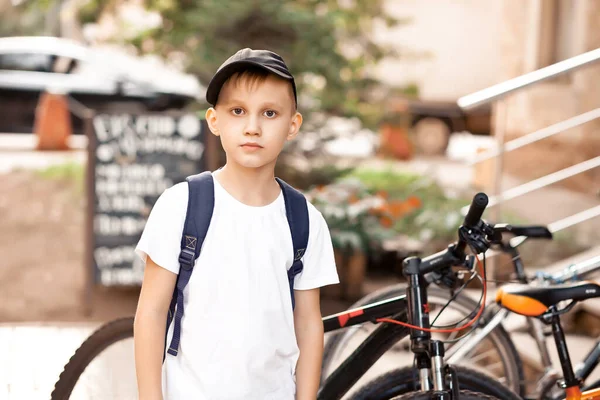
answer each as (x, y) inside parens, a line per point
(295, 126)
(211, 120)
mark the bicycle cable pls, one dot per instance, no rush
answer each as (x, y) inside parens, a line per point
(433, 325)
(455, 329)
(501, 281)
(473, 328)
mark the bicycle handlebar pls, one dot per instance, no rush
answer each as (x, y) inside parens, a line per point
(455, 253)
(478, 205)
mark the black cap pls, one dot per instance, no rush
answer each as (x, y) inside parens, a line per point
(240, 61)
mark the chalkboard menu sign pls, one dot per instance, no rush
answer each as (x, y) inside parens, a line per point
(133, 159)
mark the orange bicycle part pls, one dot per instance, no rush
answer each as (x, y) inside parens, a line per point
(519, 304)
(593, 394)
(574, 393)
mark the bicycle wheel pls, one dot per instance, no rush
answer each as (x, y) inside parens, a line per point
(405, 380)
(496, 354)
(106, 358)
(464, 395)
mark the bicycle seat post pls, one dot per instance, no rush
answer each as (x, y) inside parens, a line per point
(569, 378)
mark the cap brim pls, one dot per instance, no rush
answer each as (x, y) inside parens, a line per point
(217, 81)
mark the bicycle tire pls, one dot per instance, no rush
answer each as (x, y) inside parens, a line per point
(102, 338)
(498, 336)
(463, 395)
(403, 380)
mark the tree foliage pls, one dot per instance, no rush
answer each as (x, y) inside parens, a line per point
(328, 44)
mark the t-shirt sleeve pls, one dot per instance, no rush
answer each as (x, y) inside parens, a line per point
(319, 262)
(161, 238)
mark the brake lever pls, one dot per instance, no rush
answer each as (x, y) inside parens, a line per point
(451, 279)
(494, 233)
(470, 261)
(477, 237)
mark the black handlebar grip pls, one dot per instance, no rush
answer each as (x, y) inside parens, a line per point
(478, 205)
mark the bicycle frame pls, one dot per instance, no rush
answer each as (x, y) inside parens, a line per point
(386, 335)
(376, 344)
(576, 394)
(495, 315)
(570, 382)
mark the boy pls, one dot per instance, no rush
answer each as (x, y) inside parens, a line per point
(240, 336)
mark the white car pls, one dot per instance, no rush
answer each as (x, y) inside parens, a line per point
(100, 78)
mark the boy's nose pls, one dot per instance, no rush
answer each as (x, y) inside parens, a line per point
(253, 126)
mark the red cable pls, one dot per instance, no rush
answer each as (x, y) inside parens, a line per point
(457, 329)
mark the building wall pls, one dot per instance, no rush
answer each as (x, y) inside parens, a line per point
(531, 40)
(461, 38)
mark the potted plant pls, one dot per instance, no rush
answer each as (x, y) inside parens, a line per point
(359, 221)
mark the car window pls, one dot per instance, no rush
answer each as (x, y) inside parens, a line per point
(65, 65)
(38, 63)
(26, 62)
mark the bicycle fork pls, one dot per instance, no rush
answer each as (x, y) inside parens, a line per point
(429, 354)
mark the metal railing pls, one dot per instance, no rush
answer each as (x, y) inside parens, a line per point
(499, 92)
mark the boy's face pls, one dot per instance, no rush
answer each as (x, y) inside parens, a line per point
(254, 119)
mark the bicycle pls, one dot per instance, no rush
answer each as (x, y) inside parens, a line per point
(499, 349)
(543, 303)
(489, 328)
(407, 310)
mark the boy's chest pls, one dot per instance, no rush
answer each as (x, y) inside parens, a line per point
(243, 263)
(248, 242)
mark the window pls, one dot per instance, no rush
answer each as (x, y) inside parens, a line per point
(37, 63)
(26, 62)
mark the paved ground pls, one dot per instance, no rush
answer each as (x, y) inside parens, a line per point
(33, 356)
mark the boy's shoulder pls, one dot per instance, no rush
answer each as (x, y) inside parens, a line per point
(176, 193)
(177, 196)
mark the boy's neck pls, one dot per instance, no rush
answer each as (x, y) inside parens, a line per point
(255, 187)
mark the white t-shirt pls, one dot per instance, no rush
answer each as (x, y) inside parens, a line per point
(237, 333)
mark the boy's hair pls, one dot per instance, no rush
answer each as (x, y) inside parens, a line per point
(252, 76)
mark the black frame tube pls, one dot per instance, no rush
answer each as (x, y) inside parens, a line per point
(362, 358)
(563, 352)
(590, 362)
(360, 315)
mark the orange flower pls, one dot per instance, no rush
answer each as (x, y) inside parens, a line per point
(353, 199)
(383, 194)
(402, 207)
(380, 208)
(414, 201)
(386, 222)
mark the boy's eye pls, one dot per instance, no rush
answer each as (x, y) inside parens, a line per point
(237, 111)
(270, 113)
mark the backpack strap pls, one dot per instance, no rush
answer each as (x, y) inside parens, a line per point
(201, 202)
(296, 210)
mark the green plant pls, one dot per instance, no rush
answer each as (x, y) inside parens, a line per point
(432, 219)
(434, 222)
(358, 219)
(71, 172)
(313, 176)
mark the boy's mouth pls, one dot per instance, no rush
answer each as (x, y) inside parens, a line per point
(251, 145)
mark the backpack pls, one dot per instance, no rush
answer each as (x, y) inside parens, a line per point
(201, 202)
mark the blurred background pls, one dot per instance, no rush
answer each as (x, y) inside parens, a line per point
(102, 106)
